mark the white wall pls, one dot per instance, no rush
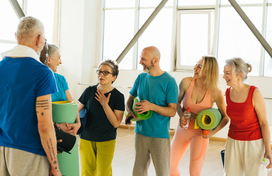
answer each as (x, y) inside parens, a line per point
(80, 46)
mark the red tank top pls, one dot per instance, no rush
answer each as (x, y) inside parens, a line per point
(244, 124)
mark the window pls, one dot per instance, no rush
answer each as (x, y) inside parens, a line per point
(159, 34)
(196, 2)
(236, 39)
(124, 18)
(195, 29)
(7, 32)
(119, 3)
(200, 28)
(118, 31)
(8, 29)
(268, 59)
(154, 3)
(243, 1)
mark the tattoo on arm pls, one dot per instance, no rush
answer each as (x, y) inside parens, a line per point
(42, 104)
(51, 152)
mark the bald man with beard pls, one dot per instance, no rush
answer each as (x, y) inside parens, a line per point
(157, 91)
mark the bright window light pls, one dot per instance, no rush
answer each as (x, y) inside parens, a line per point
(237, 40)
(158, 34)
(196, 2)
(118, 31)
(119, 3)
(268, 59)
(45, 14)
(152, 3)
(8, 21)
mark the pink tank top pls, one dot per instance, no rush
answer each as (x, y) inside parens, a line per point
(206, 103)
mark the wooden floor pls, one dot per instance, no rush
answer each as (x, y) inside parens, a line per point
(124, 157)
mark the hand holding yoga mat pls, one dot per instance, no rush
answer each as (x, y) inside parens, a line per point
(208, 119)
(142, 116)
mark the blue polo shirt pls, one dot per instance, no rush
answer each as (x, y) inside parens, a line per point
(22, 80)
(160, 90)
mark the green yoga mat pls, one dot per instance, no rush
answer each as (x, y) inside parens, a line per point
(208, 119)
(66, 111)
(143, 116)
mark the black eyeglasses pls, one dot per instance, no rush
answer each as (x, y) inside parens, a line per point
(105, 73)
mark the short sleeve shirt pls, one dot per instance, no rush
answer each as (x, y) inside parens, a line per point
(98, 128)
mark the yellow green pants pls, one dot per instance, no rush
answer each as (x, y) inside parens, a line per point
(96, 157)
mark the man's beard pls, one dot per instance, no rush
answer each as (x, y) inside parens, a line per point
(147, 69)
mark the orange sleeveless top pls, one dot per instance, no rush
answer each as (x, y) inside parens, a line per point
(206, 103)
(244, 124)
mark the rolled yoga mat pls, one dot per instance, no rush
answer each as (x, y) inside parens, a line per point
(143, 116)
(66, 111)
(208, 119)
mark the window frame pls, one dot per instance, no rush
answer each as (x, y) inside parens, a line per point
(179, 65)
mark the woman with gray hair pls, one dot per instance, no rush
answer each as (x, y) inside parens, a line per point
(68, 163)
(105, 108)
(248, 139)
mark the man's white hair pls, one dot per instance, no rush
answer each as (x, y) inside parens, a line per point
(28, 27)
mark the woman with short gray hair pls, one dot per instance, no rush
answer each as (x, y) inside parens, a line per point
(105, 108)
(248, 139)
(52, 58)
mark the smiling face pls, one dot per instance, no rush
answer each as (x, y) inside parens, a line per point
(146, 61)
(197, 69)
(104, 75)
(230, 76)
(53, 62)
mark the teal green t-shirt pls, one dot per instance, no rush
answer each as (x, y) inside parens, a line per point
(160, 90)
(62, 87)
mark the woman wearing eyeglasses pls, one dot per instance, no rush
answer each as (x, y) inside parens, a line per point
(50, 56)
(105, 106)
(197, 93)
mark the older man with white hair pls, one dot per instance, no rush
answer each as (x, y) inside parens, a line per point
(27, 135)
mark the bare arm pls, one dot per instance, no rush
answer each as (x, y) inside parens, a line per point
(80, 107)
(260, 108)
(144, 106)
(183, 86)
(129, 105)
(68, 95)
(115, 117)
(47, 131)
(220, 102)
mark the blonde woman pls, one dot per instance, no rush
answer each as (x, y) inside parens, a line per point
(198, 93)
(249, 135)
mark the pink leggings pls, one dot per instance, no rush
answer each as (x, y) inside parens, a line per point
(198, 149)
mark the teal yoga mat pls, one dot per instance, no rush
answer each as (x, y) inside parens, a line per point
(143, 116)
(208, 119)
(66, 111)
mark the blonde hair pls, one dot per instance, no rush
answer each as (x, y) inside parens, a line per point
(210, 71)
(238, 66)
